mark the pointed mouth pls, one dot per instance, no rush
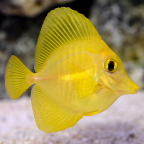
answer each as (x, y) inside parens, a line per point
(135, 89)
(130, 89)
(127, 86)
(128, 92)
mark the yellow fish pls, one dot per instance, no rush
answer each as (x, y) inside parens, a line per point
(77, 74)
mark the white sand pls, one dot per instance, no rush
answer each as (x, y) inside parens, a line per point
(122, 123)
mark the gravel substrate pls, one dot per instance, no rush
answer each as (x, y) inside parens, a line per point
(122, 123)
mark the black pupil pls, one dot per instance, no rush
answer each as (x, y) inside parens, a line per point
(111, 66)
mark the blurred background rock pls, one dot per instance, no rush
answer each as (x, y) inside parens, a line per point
(119, 22)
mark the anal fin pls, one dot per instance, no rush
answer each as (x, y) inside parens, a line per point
(49, 116)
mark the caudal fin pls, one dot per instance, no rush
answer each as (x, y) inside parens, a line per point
(17, 77)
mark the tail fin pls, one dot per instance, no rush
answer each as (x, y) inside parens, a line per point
(17, 77)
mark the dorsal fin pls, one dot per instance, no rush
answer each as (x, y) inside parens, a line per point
(61, 26)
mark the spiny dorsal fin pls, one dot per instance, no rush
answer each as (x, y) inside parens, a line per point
(61, 26)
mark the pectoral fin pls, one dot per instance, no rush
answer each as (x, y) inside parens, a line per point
(83, 83)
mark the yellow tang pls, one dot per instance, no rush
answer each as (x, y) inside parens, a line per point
(77, 74)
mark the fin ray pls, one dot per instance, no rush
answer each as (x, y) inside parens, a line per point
(83, 83)
(16, 77)
(50, 117)
(61, 26)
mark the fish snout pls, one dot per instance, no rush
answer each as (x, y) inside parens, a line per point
(134, 88)
(130, 87)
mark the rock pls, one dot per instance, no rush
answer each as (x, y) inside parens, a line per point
(28, 8)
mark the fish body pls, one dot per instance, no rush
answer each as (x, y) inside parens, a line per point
(77, 74)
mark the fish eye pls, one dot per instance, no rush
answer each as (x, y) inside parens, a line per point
(110, 65)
